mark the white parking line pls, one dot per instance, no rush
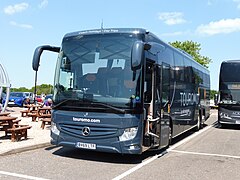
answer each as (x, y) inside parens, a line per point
(21, 175)
(205, 154)
(130, 171)
(190, 137)
(137, 167)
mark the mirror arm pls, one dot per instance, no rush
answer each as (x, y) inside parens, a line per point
(36, 59)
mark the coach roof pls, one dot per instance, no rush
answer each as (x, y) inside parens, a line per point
(108, 30)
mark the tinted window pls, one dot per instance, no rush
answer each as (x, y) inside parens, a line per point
(97, 67)
(230, 72)
(179, 67)
(188, 70)
(166, 56)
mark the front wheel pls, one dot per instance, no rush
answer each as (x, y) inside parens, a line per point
(199, 123)
(220, 125)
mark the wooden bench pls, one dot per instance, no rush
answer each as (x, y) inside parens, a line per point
(34, 116)
(5, 126)
(24, 113)
(16, 121)
(18, 132)
(45, 121)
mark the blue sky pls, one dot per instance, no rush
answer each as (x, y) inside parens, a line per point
(26, 24)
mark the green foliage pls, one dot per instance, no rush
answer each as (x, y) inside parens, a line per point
(192, 48)
(21, 89)
(212, 93)
(43, 88)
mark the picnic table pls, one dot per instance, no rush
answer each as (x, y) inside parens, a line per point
(4, 113)
(33, 111)
(10, 125)
(7, 119)
(30, 109)
(45, 114)
(44, 110)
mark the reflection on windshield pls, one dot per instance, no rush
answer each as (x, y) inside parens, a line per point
(230, 96)
(97, 68)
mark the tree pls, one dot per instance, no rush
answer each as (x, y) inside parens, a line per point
(43, 88)
(212, 93)
(21, 89)
(192, 48)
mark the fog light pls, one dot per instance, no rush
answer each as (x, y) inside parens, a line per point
(133, 147)
(128, 134)
(54, 129)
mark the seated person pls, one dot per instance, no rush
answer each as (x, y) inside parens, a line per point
(48, 103)
(26, 102)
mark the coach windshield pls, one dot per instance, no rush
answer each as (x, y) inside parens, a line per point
(230, 83)
(95, 70)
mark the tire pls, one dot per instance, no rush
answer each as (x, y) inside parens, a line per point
(202, 121)
(221, 125)
(170, 135)
(199, 123)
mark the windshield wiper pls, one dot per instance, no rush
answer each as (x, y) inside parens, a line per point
(108, 106)
(66, 101)
(62, 103)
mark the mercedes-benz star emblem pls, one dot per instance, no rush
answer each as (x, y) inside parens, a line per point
(85, 131)
(85, 114)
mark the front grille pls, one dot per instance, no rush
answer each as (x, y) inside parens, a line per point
(95, 131)
(236, 117)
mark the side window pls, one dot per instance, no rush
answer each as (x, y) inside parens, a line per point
(179, 67)
(197, 75)
(165, 82)
(167, 57)
(158, 82)
(188, 70)
(148, 84)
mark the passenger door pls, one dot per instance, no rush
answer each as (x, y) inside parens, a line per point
(157, 104)
(161, 104)
(165, 105)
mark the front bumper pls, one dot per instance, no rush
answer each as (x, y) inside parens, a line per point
(112, 145)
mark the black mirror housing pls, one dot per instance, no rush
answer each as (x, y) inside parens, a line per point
(137, 55)
(37, 54)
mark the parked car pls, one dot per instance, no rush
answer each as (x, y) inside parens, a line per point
(48, 96)
(18, 98)
(39, 99)
(29, 95)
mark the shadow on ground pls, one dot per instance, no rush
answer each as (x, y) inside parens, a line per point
(111, 157)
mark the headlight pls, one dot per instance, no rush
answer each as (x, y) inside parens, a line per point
(54, 129)
(128, 134)
(224, 115)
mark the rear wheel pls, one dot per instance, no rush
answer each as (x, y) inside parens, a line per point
(170, 135)
(202, 121)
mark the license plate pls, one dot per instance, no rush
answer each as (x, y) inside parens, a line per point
(11, 103)
(85, 145)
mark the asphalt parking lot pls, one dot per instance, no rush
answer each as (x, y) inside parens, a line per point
(211, 153)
